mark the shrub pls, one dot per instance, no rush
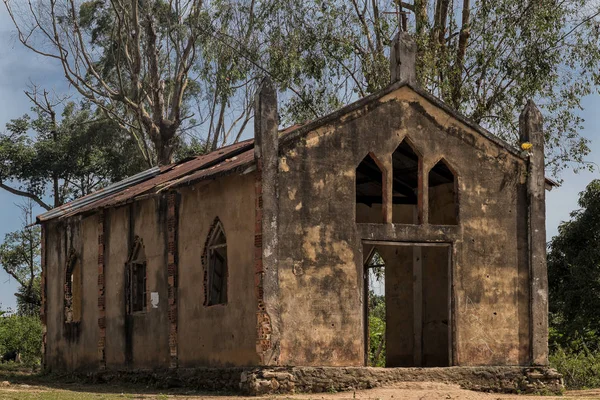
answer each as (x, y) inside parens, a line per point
(580, 369)
(24, 335)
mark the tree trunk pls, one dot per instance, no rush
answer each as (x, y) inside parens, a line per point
(421, 17)
(465, 32)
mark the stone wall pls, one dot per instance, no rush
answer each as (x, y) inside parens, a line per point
(271, 380)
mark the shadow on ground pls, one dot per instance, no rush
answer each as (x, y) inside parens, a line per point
(63, 381)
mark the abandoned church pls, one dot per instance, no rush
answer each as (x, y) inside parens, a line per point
(260, 254)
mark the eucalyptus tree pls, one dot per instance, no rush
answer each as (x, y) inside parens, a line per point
(64, 150)
(484, 58)
(130, 58)
(166, 69)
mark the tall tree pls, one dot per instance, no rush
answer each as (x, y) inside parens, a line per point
(483, 58)
(574, 274)
(63, 155)
(20, 259)
(130, 58)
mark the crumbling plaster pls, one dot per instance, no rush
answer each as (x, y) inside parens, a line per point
(321, 279)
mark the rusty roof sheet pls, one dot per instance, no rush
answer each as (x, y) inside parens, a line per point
(233, 164)
(218, 162)
(229, 159)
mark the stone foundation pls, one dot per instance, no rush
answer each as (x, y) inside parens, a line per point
(324, 379)
(270, 380)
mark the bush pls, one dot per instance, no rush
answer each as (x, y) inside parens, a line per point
(22, 334)
(581, 369)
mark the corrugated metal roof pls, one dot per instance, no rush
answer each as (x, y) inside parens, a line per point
(98, 195)
(226, 160)
(218, 162)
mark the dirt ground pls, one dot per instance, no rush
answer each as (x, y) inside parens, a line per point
(408, 391)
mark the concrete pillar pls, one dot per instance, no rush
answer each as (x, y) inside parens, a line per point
(531, 130)
(266, 153)
(403, 56)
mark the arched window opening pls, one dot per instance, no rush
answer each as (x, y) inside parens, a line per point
(443, 205)
(73, 289)
(369, 191)
(405, 188)
(136, 278)
(215, 266)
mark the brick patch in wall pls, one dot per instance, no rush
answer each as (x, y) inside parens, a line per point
(172, 220)
(263, 320)
(101, 291)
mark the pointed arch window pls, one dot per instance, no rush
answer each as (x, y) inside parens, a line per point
(215, 266)
(406, 164)
(136, 278)
(443, 193)
(73, 289)
(370, 191)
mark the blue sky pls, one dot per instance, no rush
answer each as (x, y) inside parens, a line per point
(19, 67)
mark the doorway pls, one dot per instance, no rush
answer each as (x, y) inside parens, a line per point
(407, 312)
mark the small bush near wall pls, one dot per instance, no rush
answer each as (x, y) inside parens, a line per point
(21, 335)
(580, 370)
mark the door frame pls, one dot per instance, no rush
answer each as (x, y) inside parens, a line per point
(451, 297)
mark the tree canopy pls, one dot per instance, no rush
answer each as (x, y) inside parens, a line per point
(63, 156)
(574, 275)
(20, 259)
(172, 69)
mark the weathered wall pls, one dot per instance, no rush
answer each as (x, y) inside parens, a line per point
(216, 335)
(116, 252)
(150, 329)
(139, 340)
(219, 334)
(72, 345)
(320, 252)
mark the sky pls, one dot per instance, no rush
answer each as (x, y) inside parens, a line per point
(19, 67)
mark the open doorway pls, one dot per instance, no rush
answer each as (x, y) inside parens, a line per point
(407, 309)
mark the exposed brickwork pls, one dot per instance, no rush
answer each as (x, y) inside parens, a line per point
(43, 310)
(101, 291)
(263, 321)
(172, 220)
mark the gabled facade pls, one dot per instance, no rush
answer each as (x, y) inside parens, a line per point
(259, 253)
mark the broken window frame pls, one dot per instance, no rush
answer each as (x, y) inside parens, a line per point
(72, 307)
(137, 283)
(215, 262)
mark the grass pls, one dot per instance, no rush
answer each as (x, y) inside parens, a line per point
(67, 395)
(19, 383)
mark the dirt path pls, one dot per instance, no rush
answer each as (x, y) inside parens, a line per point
(403, 391)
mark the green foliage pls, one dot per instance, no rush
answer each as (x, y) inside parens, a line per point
(580, 369)
(194, 147)
(574, 276)
(20, 259)
(376, 330)
(485, 60)
(29, 299)
(22, 334)
(65, 159)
